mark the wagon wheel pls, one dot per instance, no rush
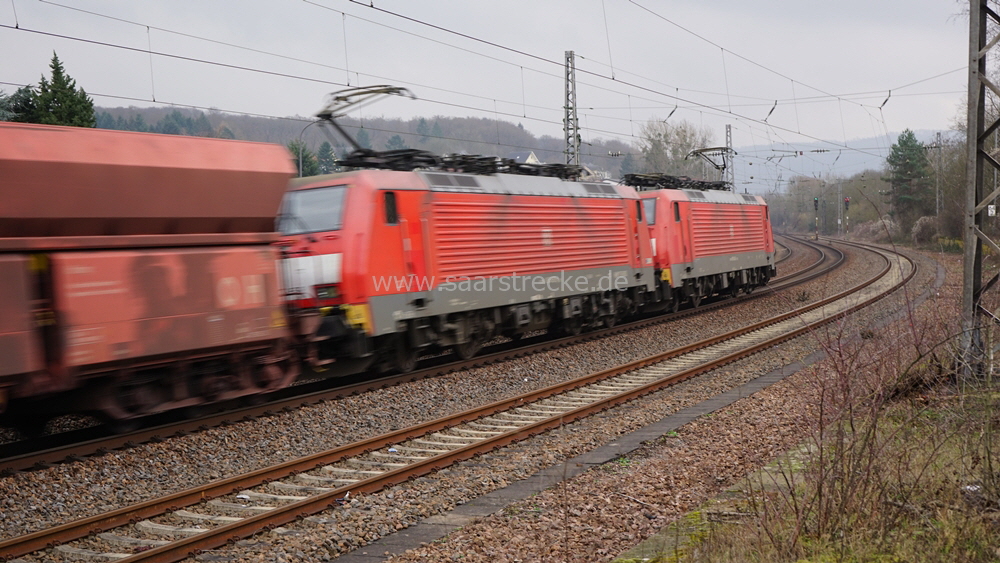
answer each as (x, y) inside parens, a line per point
(466, 350)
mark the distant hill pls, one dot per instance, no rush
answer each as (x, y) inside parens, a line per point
(438, 134)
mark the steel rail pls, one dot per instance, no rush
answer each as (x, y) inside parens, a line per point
(219, 536)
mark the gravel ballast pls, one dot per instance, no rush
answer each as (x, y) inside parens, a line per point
(35, 500)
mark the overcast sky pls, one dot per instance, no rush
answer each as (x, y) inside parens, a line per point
(829, 65)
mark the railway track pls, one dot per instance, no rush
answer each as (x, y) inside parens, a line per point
(280, 494)
(45, 451)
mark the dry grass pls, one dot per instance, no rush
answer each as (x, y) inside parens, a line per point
(902, 462)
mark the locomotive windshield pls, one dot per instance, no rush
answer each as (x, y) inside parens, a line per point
(313, 210)
(650, 204)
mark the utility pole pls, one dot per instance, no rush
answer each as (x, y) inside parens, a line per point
(571, 124)
(976, 201)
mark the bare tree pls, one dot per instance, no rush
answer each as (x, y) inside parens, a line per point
(665, 148)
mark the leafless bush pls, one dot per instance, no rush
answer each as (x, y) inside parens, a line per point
(880, 463)
(882, 230)
(924, 231)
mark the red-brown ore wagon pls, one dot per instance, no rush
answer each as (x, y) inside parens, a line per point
(383, 264)
(708, 242)
(137, 272)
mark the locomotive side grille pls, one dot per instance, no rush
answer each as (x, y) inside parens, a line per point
(726, 229)
(507, 238)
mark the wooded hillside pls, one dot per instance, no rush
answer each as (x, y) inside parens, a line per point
(438, 134)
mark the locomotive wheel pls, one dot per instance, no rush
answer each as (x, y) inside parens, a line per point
(695, 299)
(675, 302)
(405, 359)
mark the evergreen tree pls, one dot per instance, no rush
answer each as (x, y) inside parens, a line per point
(105, 121)
(326, 158)
(5, 113)
(910, 180)
(436, 130)
(167, 127)
(135, 123)
(60, 102)
(423, 130)
(225, 133)
(363, 139)
(19, 106)
(201, 127)
(175, 123)
(303, 159)
(628, 165)
(396, 143)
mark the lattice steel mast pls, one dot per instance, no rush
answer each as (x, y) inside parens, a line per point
(571, 124)
(978, 131)
(730, 172)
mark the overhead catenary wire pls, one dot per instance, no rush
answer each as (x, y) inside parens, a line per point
(523, 101)
(403, 31)
(550, 61)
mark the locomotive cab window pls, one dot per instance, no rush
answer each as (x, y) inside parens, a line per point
(391, 217)
(650, 204)
(677, 212)
(313, 210)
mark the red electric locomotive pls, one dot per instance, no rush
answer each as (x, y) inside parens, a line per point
(707, 242)
(384, 264)
(137, 271)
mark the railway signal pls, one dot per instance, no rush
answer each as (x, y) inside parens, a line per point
(847, 217)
